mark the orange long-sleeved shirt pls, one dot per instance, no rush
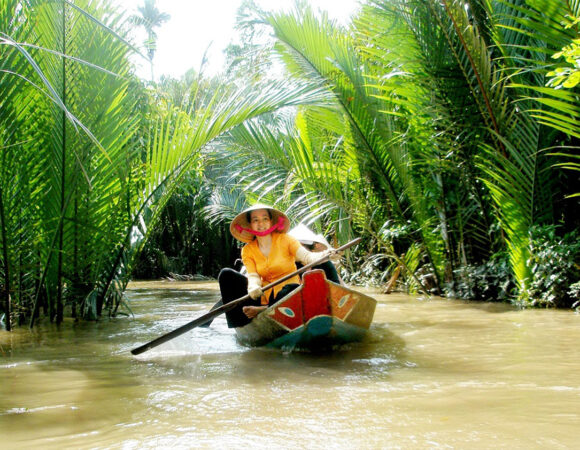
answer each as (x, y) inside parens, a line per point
(280, 262)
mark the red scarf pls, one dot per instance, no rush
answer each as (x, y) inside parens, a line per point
(279, 226)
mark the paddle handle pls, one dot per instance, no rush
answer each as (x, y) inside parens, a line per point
(231, 305)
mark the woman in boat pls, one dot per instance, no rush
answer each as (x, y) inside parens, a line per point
(317, 243)
(269, 254)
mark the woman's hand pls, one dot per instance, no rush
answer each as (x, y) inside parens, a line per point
(255, 286)
(255, 293)
(306, 257)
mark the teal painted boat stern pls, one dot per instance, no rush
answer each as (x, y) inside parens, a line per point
(318, 331)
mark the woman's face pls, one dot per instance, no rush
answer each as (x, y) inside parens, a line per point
(314, 247)
(318, 247)
(260, 220)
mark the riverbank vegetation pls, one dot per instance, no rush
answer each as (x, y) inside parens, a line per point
(445, 133)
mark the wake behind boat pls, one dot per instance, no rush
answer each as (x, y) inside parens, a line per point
(317, 314)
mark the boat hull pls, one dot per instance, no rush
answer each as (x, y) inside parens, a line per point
(317, 314)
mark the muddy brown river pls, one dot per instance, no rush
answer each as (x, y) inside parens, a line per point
(431, 373)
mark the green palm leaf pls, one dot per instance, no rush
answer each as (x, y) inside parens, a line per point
(314, 49)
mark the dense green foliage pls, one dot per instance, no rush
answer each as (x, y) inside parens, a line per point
(554, 266)
(445, 143)
(438, 130)
(89, 159)
(183, 241)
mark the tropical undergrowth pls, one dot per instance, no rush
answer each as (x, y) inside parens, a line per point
(555, 266)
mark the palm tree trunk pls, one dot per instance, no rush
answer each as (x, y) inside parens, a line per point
(6, 293)
(59, 299)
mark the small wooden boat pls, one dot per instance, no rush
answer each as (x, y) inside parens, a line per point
(317, 314)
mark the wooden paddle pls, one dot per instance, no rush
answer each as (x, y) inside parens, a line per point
(213, 308)
(231, 305)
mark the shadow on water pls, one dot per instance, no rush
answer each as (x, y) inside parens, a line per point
(214, 354)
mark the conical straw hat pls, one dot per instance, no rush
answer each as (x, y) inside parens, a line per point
(242, 220)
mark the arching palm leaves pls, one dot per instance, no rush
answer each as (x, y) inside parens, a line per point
(553, 26)
(76, 175)
(440, 116)
(479, 126)
(86, 206)
(316, 49)
(521, 179)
